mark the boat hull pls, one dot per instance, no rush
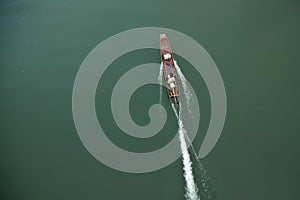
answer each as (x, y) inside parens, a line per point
(170, 73)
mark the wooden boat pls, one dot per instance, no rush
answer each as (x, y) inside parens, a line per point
(170, 73)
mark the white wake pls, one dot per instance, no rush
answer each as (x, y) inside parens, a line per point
(191, 187)
(187, 93)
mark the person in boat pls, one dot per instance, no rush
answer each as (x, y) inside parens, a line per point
(167, 56)
(171, 81)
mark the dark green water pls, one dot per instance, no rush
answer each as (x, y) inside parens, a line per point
(255, 45)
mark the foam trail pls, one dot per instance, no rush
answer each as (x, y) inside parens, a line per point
(187, 93)
(191, 188)
(206, 188)
(175, 111)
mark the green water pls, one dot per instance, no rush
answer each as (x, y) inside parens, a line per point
(255, 45)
